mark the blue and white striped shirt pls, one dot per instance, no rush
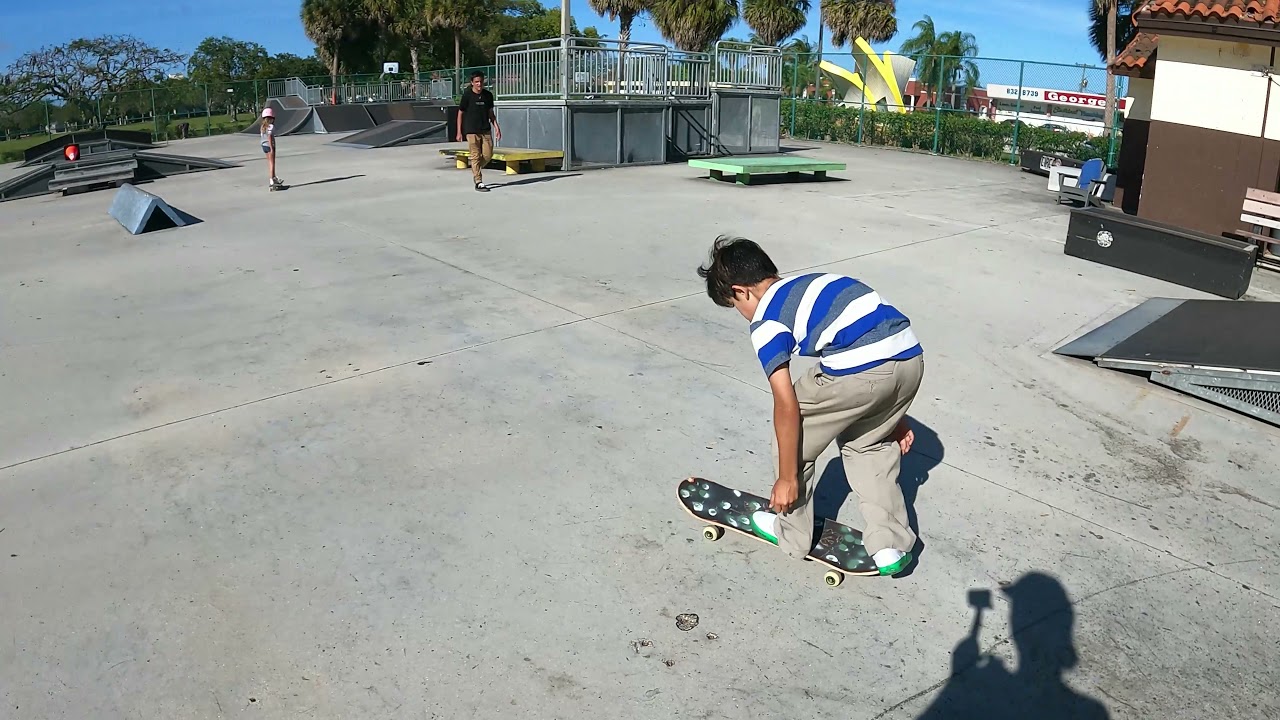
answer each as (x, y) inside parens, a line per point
(842, 321)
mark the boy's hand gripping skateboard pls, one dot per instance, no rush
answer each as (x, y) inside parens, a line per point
(835, 546)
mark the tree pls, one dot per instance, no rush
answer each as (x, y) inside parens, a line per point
(82, 71)
(799, 63)
(456, 16)
(872, 20)
(407, 20)
(693, 25)
(1111, 28)
(942, 56)
(773, 21)
(521, 21)
(329, 24)
(288, 65)
(224, 59)
(623, 11)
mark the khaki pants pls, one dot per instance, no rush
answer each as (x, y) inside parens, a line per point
(480, 148)
(859, 412)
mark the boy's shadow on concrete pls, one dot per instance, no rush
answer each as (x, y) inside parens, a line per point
(833, 490)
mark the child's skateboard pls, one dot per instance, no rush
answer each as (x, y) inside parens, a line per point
(836, 546)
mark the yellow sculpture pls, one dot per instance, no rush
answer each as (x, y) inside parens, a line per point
(886, 78)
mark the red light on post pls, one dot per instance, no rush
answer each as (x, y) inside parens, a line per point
(71, 152)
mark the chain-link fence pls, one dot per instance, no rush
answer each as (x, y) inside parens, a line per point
(178, 109)
(969, 107)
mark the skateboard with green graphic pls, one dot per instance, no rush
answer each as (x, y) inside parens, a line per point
(838, 547)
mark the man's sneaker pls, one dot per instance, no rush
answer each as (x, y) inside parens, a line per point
(481, 187)
(765, 525)
(891, 562)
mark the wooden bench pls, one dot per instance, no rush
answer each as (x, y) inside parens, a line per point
(744, 168)
(1261, 209)
(511, 157)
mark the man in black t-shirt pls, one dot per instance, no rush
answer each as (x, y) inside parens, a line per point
(475, 114)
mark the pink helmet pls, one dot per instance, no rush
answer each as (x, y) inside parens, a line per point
(268, 112)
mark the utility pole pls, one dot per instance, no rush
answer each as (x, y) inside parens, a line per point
(564, 18)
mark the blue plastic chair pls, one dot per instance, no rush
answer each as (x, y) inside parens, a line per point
(1091, 175)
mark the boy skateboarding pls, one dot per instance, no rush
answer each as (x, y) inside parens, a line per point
(475, 115)
(869, 370)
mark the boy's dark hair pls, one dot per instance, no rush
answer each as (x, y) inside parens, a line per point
(476, 74)
(735, 261)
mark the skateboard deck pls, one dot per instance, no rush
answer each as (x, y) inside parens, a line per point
(838, 547)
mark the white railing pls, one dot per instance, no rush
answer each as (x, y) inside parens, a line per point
(746, 66)
(530, 70)
(689, 74)
(590, 67)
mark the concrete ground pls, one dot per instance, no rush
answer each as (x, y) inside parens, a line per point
(382, 446)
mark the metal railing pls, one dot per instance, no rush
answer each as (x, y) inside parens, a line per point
(312, 94)
(689, 74)
(607, 67)
(746, 66)
(530, 70)
(589, 67)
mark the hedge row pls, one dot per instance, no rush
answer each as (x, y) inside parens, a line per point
(958, 133)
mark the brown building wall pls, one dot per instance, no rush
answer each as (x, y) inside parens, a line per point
(1196, 177)
(1131, 164)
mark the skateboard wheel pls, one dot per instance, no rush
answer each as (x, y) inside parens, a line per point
(833, 578)
(712, 532)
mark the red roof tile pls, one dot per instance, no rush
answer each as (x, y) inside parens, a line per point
(1136, 54)
(1234, 11)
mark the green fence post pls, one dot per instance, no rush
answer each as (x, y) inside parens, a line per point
(862, 107)
(208, 119)
(795, 80)
(155, 121)
(1111, 146)
(937, 106)
(100, 121)
(1017, 114)
(48, 121)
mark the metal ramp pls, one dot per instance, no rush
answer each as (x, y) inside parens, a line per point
(103, 169)
(1222, 351)
(398, 132)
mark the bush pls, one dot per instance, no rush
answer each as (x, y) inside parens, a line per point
(958, 133)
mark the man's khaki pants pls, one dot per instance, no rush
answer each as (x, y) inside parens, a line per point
(859, 412)
(480, 148)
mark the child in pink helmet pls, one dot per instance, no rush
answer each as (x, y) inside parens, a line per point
(268, 137)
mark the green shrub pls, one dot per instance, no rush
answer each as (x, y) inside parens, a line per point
(958, 133)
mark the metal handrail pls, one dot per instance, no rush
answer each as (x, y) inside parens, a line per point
(747, 66)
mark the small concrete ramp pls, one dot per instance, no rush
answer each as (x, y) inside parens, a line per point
(344, 118)
(292, 101)
(398, 132)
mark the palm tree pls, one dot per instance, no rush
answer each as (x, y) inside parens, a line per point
(872, 20)
(693, 25)
(775, 20)
(456, 16)
(329, 23)
(405, 19)
(1111, 28)
(942, 56)
(1108, 7)
(624, 11)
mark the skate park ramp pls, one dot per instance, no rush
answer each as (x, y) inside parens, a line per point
(289, 120)
(398, 132)
(1223, 351)
(344, 118)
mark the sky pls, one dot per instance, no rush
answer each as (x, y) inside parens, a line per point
(1042, 30)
